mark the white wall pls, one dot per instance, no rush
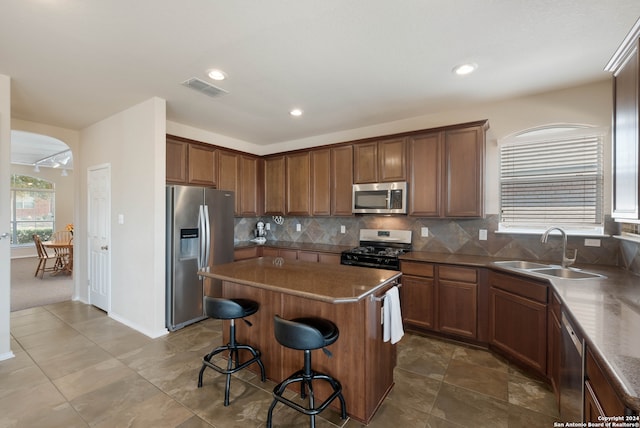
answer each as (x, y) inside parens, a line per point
(5, 218)
(133, 143)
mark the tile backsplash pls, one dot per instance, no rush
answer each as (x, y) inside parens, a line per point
(458, 236)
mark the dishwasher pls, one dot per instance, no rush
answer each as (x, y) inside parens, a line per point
(571, 373)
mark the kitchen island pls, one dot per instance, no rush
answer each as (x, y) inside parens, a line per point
(349, 296)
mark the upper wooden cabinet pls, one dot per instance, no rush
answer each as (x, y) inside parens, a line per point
(240, 173)
(202, 165)
(446, 172)
(341, 180)
(464, 151)
(380, 161)
(274, 185)
(298, 183)
(176, 160)
(190, 163)
(320, 182)
(626, 153)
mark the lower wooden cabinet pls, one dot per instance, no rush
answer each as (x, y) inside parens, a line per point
(518, 320)
(600, 397)
(440, 298)
(554, 343)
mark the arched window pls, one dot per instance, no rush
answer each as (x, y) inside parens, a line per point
(552, 176)
(32, 209)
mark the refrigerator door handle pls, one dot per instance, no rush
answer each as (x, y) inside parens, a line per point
(207, 239)
(201, 239)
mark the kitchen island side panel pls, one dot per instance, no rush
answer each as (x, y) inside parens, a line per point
(360, 360)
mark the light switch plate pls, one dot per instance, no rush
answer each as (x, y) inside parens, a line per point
(424, 232)
(298, 227)
(482, 235)
(343, 229)
(591, 242)
(120, 218)
(268, 226)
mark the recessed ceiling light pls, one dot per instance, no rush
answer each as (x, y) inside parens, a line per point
(217, 74)
(296, 112)
(464, 69)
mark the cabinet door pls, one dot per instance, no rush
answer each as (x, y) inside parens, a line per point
(457, 292)
(425, 175)
(298, 179)
(341, 180)
(464, 172)
(518, 327)
(176, 160)
(202, 165)
(248, 193)
(554, 344)
(626, 156)
(365, 163)
(418, 302)
(228, 175)
(321, 182)
(392, 160)
(274, 185)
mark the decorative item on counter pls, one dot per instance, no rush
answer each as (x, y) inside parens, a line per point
(260, 233)
(70, 228)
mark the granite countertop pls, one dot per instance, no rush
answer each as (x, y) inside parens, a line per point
(607, 311)
(331, 283)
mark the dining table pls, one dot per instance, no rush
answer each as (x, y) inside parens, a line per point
(64, 255)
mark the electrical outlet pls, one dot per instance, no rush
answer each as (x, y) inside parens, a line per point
(267, 226)
(482, 235)
(298, 227)
(424, 232)
(343, 229)
(591, 242)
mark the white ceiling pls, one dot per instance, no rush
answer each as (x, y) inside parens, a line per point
(347, 64)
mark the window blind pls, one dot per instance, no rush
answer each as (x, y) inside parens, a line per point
(553, 182)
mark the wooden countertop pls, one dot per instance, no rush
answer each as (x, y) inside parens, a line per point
(325, 282)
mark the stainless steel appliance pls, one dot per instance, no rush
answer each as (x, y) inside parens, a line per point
(571, 373)
(199, 234)
(380, 198)
(379, 248)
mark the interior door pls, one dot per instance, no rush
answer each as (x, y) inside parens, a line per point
(99, 235)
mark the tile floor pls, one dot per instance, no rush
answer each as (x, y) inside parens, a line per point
(76, 367)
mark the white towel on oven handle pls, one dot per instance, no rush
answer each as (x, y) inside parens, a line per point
(392, 317)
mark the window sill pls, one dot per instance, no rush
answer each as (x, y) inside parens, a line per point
(592, 233)
(628, 237)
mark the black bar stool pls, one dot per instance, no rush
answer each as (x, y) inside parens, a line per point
(230, 309)
(306, 334)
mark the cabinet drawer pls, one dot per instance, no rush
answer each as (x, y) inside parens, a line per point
(246, 253)
(520, 286)
(417, 269)
(456, 273)
(602, 389)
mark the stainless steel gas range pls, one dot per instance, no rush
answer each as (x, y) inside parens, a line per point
(379, 248)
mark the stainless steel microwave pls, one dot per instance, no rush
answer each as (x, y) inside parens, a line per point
(380, 198)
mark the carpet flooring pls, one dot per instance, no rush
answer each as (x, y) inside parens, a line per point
(28, 291)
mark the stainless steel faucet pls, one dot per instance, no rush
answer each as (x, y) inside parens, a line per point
(566, 261)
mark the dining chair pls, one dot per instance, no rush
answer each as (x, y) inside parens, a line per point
(43, 257)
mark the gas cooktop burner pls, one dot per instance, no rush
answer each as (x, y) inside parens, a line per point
(378, 249)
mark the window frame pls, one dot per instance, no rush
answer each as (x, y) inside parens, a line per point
(544, 135)
(14, 222)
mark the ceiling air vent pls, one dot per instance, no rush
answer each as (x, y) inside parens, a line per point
(204, 87)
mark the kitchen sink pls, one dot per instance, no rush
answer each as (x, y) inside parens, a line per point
(548, 270)
(566, 273)
(521, 264)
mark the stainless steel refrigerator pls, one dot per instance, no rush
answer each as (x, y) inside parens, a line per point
(199, 235)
